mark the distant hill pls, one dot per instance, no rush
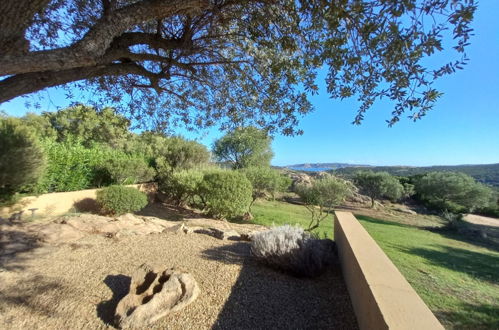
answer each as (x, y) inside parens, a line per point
(488, 173)
(311, 166)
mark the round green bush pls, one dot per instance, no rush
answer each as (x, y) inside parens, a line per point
(118, 200)
(225, 194)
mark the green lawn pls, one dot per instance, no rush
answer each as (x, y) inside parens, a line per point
(458, 280)
(270, 213)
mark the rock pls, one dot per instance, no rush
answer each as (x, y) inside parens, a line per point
(219, 233)
(59, 233)
(153, 295)
(405, 210)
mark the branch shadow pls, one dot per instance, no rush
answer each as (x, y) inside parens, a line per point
(14, 243)
(120, 286)
(470, 316)
(263, 298)
(478, 265)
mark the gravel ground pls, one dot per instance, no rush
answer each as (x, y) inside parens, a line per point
(77, 286)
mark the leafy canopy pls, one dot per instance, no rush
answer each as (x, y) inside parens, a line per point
(21, 158)
(322, 196)
(379, 184)
(206, 62)
(244, 147)
(453, 191)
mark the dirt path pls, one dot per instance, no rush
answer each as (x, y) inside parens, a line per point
(77, 286)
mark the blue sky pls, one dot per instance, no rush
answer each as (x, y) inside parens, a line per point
(463, 128)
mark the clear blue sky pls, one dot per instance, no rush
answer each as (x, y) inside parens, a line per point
(463, 128)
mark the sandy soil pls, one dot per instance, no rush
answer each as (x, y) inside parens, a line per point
(481, 220)
(78, 285)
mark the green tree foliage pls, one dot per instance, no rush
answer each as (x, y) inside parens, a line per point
(322, 196)
(454, 192)
(182, 185)
(175, 152)
(117, 200)
(40, 125)
(222, 62)
(244, 147)
(21, 158)
(128, 170)
(226, 194)
(89, 125)
(266, 182)
(378, 185)
(72, 166)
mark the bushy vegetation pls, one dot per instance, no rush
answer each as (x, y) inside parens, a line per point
(244, 147)
(322, 196)
(266, 182)
(453, 191)
(21, 159)
(181, 186)
(291, 249)
(117, 200)
(225, 194)
(127, 170)
(378, 185)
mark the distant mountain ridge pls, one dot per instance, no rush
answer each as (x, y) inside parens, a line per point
(485, 173)
(323, 165)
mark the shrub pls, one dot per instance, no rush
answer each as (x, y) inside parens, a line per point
(379, 184)
(266, 182)
(322, 196)
(454, 192)
(225, 193)
(128, 170)
(181, 186)
(293, 250)
(118, 200)
(21, 158)
(72, 166)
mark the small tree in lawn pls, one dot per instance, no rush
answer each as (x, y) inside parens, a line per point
(266, 182)
(322, 197)
(378, 184)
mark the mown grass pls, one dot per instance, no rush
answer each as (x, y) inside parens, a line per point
(276, 213)
(458, 280)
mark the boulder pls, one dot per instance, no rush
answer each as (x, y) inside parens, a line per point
(154, 294)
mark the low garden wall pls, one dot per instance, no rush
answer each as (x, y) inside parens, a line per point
(381, 297)
(59, 203)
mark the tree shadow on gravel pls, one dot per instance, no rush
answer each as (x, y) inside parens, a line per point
(14, 243)
(263, 298)
(119, 285)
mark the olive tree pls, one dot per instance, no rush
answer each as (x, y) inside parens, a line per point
(453, 191)
(265, 182)
(206, 62)
(244, 147)
(321, 197)
(377, 185)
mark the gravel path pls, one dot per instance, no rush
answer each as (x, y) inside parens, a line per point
(77, 286)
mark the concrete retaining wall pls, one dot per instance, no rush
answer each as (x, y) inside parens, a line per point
(382, 298)
(59, 203)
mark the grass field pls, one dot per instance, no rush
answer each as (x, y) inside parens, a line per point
(458, 280)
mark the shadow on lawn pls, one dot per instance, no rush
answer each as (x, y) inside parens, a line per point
(478, 265)
(470, 316)
(263, 298)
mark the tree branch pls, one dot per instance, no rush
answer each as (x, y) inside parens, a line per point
(89, 50)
